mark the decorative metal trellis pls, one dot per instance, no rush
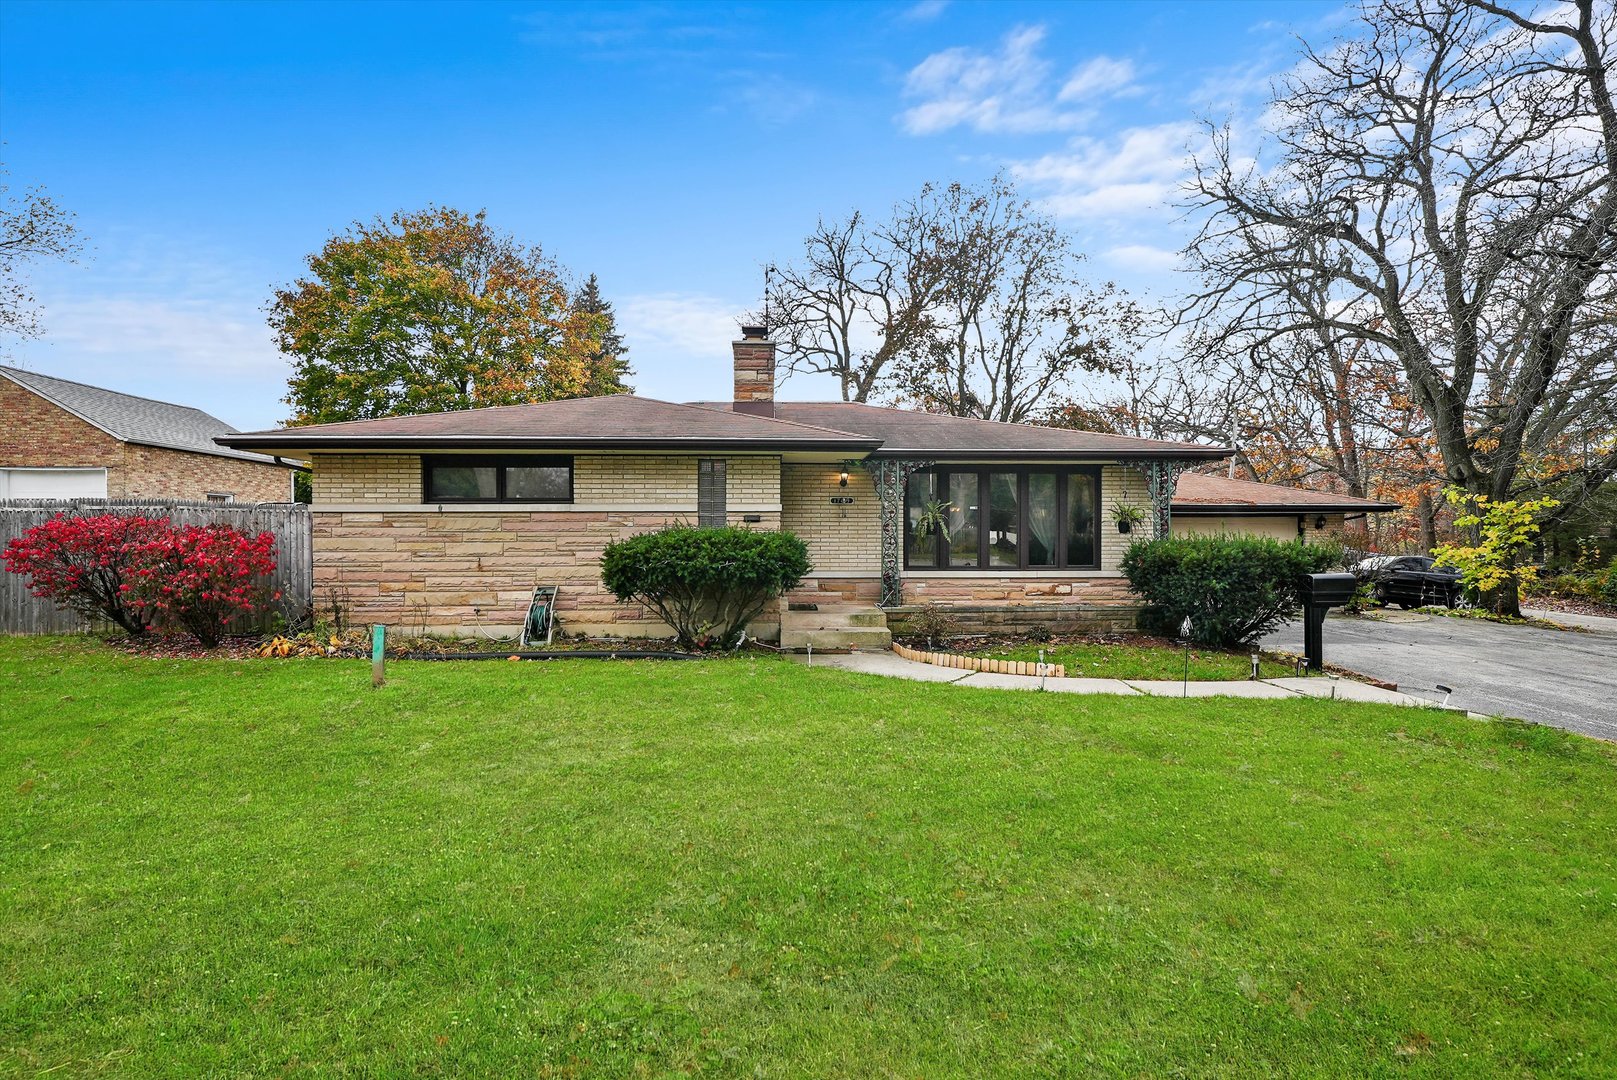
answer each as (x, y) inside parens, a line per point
(891, 476)
(1161, 478)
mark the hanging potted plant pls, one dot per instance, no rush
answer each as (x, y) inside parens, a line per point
(934, 518)
(1126, 515)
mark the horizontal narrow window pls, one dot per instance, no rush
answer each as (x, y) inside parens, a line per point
(966, 517)
(497, 479)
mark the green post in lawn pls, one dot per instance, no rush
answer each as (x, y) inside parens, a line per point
(378, 644)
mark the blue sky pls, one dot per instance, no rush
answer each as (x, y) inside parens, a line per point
(672, 149)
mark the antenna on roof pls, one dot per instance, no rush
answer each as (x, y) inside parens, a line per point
(769, 270)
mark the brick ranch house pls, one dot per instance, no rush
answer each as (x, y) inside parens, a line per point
(66, 440)
(446, 521)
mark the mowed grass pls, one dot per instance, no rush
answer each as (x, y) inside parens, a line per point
(747, 868)
(1107, 660)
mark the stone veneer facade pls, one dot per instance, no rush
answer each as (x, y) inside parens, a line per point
(37, 433)
(458, 568)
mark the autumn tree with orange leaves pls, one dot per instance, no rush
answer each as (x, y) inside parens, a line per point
(429, 311)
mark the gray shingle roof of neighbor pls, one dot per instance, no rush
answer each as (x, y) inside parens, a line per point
(619, 421)
(907, 432)
(132, 419)
(1209, 494)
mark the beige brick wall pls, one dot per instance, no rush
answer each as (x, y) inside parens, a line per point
(1119, 483)
(37, 433)
(664, 480)
(840, 539)
(367, 478)
(1278, 526)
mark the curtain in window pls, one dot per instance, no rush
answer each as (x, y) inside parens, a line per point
(965, 519)
(1043, 515)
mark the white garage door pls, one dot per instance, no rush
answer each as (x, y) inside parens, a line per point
(53, 483)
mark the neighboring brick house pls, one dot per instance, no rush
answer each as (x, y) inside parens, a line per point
(446, 521)
(65, 440)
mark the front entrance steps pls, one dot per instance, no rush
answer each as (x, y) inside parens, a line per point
(835, 628)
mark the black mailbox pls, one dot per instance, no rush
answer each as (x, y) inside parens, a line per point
(1332, 590)
(1319, 593)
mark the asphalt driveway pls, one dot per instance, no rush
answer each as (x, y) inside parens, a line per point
(1567, 680)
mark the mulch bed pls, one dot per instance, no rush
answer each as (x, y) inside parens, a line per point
(356, 644)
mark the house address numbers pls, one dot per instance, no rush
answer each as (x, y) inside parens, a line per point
(842, 500)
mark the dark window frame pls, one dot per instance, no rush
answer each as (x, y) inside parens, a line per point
(1062, 474)
(499, 463)
(712, 471)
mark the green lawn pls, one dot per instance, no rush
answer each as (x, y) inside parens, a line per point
(748, 868)
(1090, 660)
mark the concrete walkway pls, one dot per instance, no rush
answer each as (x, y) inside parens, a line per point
(896, 667)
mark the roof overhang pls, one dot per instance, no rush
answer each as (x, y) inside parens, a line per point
(291, 442)
(1210, 453)
(1280, 509)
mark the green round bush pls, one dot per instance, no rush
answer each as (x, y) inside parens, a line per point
(1232, 589)
(705, 583)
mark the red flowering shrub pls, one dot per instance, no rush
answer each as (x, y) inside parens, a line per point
(202, 576)
(87, 564)
(138, 571)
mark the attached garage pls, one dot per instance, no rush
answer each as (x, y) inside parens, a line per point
(1206, 505)
(53, 483)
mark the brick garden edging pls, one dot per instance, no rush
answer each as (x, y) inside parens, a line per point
(980, 663)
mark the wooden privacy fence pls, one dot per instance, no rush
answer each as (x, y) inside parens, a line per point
(289, 523)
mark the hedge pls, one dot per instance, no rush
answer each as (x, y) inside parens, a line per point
(1232, 589)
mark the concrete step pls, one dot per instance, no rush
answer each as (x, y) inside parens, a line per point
(836, 637)
(826, 618)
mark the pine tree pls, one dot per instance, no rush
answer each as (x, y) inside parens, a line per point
(604, 357)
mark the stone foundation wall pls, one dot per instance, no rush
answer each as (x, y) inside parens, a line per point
(456, 572)
(1023, 618)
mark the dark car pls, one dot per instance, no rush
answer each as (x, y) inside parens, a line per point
(1410, 580)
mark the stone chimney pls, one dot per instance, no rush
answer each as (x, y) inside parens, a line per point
(755, 372)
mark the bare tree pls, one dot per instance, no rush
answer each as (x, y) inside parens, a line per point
(32, 227)
(1443, 182)
(965, 301)
(860, 297)
(1015, 323)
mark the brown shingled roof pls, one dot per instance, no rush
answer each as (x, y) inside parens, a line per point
(907, 432)
(620, 421)
(1199, 493)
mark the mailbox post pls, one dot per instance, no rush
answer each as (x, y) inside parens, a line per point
(1320, 593)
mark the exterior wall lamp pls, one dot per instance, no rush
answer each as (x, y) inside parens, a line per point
(1319, 522)
(842, 481)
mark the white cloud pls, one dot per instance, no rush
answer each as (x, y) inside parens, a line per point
(1012, 90)
(203, 336)
(924, 10)
(1100, 77)
(1134, 172)
(690, 324)
(1142, 258)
